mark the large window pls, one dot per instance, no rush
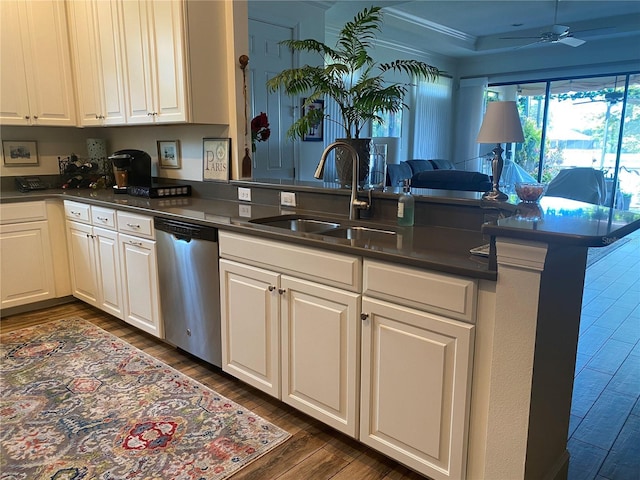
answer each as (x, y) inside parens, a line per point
(582, 123)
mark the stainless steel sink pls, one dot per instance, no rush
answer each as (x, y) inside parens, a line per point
(297, 223)
(362, 233)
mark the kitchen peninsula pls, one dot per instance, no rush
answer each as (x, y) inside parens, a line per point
(520, 311)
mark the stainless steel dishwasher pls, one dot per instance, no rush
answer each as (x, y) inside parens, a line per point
(190, 287)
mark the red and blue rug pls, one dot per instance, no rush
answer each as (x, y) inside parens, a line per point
(77, 402)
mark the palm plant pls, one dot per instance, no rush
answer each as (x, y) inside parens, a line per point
(349, 76)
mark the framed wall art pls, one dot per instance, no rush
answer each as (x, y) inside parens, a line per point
(20, 153)
(216, 159)
(169, 154)
(316, 133)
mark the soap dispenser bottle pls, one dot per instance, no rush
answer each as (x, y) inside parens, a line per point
(406, 206)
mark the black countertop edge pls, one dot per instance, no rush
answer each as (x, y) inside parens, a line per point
(565, 222)
(224, 215)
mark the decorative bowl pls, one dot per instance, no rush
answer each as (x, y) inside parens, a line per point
(530, 192)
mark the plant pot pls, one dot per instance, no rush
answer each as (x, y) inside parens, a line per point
(344, 164)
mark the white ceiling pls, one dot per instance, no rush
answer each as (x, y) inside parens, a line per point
(474, 27)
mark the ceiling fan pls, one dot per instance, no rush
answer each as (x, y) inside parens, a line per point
(554, 34)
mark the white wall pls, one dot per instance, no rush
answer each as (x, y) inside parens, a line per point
(54, 142)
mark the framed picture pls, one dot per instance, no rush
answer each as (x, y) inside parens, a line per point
(20, 153)
(316, 134)
(215, 159)
(169, 153)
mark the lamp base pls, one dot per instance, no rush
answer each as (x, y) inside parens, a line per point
(495, 194)
(496, 170)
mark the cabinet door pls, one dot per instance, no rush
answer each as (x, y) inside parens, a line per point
(138, 263)
(138, 69)
(249, 302)
(166, 47)
(14, 101)
(320, 355)
(415, 387)
(47, 61)
(94, 31)
(84, 282)
(26, 266)
(107, 255)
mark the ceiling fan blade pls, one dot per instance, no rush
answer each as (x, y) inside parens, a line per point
(518, 38)
(571, 41)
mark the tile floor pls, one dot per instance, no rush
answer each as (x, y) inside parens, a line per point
(604, 432)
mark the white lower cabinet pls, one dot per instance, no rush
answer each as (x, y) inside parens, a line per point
(250, 313)
(415, 385)
(138, 262)
(381, 352)
(293, 338)
(82, 262)
(26, 264)
(113, 263)
(94, 258)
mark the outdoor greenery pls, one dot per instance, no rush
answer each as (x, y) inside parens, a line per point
(350, 76)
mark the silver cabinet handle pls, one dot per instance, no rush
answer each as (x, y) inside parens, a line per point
(364, 316)
(77, 214)
(103, 219)
(137, 244)
(271, 288)
(132, 225)
(281, 291)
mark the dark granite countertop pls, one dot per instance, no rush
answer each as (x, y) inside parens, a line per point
(431, 247)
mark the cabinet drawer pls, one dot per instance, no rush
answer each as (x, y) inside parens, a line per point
(135, 224)
(80, 212)
(448, 295)
(335, 269)
(103, 217)
(22, 212)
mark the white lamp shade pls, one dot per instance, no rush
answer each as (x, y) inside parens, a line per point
(501, 124)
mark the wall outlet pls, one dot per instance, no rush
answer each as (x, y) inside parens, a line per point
(244, 210)
(288, 199)
(244, 194)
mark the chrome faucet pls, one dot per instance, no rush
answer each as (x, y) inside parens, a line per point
(354, 203)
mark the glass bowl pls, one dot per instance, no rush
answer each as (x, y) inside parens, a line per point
(530, 192)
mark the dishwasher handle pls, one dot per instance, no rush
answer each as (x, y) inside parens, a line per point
(186, 231)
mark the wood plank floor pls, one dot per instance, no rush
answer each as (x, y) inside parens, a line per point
(315, 451)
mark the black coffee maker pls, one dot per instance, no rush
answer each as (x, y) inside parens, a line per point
(131, 168)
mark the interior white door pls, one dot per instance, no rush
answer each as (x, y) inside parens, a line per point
(275, 157)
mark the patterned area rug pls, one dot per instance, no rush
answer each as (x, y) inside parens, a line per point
(79, 403)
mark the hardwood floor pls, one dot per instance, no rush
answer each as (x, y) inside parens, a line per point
(315, 451)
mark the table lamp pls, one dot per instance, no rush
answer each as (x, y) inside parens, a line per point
(501, 124)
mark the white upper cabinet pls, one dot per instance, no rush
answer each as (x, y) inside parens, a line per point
(143, 62)
(153, 54)
(36, 78)
(95, 45)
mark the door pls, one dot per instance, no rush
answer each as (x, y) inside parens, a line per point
(166, 50)
(320, 337)
(249, 303)
(415, 387)
(48, 64)
(275, 157)
(14, 101)
(84, 282)
(95, 41)
(107, 260)
(26, 266)
(138, 72)
(138, 263)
